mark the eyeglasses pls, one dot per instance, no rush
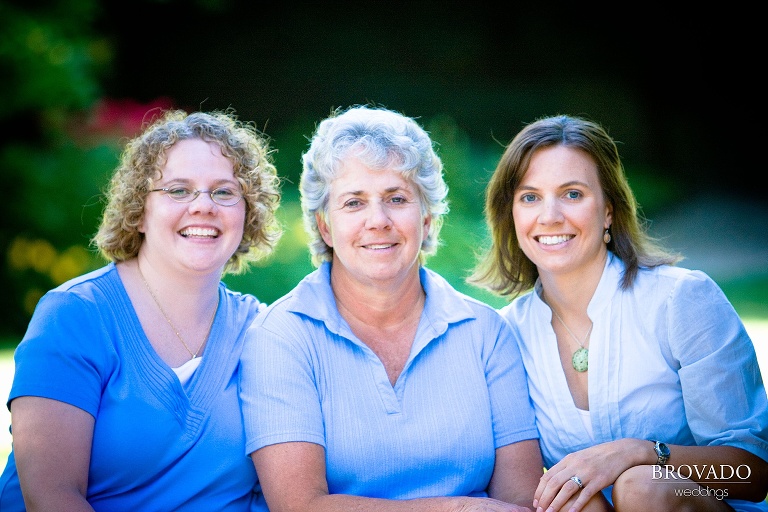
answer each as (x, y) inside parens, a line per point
(223, 196)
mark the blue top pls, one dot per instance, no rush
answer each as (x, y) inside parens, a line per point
(157, 445)
(669, 359)
(462, 393)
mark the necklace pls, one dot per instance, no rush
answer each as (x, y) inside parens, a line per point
(580, 358)
(173, 327)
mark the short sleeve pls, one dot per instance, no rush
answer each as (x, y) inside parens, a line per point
(279, 394)
(63, 353)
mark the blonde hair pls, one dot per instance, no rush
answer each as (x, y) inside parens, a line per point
(141, 163)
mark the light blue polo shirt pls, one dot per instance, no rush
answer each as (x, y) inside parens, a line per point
(462, 393)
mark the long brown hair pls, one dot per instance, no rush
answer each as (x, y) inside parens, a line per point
(504, 268)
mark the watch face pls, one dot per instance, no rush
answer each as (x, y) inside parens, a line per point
(662, 452)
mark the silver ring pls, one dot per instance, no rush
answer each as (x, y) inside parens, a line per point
(577, 481)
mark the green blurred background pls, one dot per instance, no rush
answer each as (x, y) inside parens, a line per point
(78, 77)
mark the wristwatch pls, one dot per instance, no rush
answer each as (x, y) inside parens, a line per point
(662, 452)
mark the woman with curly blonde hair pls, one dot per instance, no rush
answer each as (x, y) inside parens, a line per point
(125, 389)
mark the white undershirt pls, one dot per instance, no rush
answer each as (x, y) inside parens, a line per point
(185, 371)
(587, 421)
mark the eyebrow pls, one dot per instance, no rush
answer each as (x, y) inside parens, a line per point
(567, 184)
(574, 183)
(361, 192)
(216, 182)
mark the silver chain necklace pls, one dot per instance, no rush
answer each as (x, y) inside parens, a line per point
(173, 327)
(580, 358)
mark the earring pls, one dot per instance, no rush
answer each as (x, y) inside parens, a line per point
(606, 236)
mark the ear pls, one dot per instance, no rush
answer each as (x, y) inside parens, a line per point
(427, 224)
(608, 216)
(325, 230)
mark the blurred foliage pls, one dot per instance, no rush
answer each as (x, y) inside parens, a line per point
(50, 58)
(50, 63)
(749, 295)
(63, 134)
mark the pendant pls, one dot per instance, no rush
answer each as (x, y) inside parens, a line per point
(580, 360)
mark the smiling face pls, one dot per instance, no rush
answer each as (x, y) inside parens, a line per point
(560, 213)
(374, 224)
(199, 235)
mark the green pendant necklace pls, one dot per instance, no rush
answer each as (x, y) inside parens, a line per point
(580, 358)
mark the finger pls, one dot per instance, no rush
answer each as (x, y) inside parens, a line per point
(546, 490)
(568, 489)
(582, 499)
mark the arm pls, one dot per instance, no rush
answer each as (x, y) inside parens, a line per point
(601, 465)
(597, 466)
(292, 477)
(726, 405)
(710, 467)
(52, 447)
(517, 472)
(704, 342)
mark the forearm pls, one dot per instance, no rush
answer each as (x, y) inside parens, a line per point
(344, 502)
(52, 448)
(42, 499)
(517, 472)
(301, 486)
(347, 503)
(742, 474)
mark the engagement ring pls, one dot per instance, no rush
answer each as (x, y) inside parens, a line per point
(577, 481)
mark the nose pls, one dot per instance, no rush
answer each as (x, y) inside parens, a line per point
(202, 203)
(378, 216)
(550, 212)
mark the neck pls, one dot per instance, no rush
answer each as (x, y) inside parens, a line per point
(197, 293)
(570, 294)
(379, 306)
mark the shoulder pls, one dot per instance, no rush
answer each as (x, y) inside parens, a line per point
(88, 282)
(241, 300)
(281, 330)
(519, 309)
(670, 281)
(278, 309)
(291, 312)
(72, 321)
(438, 288)
(446, 301)
(98, 288)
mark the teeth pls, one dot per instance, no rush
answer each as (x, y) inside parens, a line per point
(553, 240)
(379, 246)
(208, 232)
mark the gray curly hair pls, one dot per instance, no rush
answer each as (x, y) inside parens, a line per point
(381, 139)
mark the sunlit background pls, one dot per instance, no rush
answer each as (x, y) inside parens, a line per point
(79, 77)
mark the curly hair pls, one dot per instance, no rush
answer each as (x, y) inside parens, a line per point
(141, 165)
(381, 139)
(505, 269)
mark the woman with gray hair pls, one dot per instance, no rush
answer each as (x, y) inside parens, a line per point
(125, 390)
(373, 384)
